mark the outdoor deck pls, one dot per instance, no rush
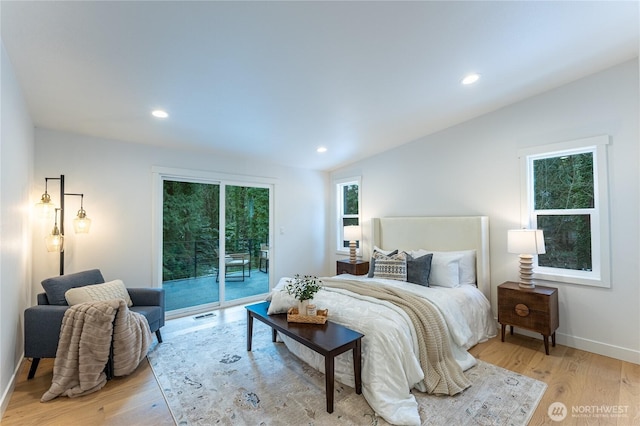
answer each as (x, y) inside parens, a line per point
(191, 292)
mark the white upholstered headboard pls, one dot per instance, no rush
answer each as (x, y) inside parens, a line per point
(438, 234)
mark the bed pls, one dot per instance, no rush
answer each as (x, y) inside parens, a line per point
(392, 362)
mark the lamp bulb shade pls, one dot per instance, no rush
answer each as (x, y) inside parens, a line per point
(81, 224)
(55, 240)
(525, 241)
(45, 208)
(352, 233)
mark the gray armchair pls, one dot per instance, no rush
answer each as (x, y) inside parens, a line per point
(42, 322)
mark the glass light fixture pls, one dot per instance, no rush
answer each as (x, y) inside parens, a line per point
(81, 224)
(55, 240)
(45, 208)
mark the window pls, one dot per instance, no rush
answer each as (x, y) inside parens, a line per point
(348, 211)
(208, 232)
(566, 197)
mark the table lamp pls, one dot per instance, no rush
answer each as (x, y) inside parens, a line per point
(526, 243)
(352, 233)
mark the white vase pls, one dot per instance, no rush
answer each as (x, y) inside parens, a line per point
(302, 307)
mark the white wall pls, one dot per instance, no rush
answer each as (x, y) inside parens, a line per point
(473, 169)
(116, 180)
(16, 156)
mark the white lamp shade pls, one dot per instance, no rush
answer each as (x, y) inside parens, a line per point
(352, 233)
(525, 241)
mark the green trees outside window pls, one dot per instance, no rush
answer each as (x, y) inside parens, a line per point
(348, 207)
(191, 226)
(563, 201)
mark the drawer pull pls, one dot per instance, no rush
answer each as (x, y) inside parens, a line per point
(522, 310)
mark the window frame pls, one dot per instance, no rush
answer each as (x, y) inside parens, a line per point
(338, 185)
(600, 274)
(160, 174)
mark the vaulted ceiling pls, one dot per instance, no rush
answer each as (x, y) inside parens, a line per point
(277, 80)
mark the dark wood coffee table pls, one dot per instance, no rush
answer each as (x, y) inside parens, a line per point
(329, 339)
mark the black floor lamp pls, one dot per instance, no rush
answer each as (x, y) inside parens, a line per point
(55, 240)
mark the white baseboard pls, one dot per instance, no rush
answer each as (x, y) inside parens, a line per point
(6, 395)
(605, 349)
(617, 352)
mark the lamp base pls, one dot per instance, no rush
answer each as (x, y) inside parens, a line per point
(352, 252)
(526, 271)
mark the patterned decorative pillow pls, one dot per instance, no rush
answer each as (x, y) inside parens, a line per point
(372, 264)
(393, 267)
(98, 292)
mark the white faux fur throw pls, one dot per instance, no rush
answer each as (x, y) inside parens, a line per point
(84, 345)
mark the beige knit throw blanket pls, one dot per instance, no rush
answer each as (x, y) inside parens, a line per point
(442, 373)
(85, 342)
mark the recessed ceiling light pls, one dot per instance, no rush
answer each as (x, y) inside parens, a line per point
(158, 113)
(321, 149)
(470, 79)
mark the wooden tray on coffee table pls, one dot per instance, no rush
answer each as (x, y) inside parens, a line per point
(319, 318)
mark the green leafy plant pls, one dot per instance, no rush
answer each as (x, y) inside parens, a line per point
(303, 287)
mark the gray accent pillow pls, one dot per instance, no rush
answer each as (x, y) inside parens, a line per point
(419, 269)
(372, 263)
(56, 287)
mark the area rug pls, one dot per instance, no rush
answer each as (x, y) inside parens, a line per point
(208, 377)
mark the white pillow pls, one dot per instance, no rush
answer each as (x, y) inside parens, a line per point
(98, 292)
(466, 267)
(445, 271)
(281, 301)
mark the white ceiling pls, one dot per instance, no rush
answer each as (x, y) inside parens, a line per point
(276, 80)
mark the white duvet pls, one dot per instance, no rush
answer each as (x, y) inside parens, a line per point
(390, 364)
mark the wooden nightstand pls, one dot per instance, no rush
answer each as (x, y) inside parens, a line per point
(532, 309)
(361, 267)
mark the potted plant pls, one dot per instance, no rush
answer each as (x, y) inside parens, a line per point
(303, 288)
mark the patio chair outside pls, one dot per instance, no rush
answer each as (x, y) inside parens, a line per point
(264, 258)
(234, 262)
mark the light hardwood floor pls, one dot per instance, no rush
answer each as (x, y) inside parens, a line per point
(574, 377)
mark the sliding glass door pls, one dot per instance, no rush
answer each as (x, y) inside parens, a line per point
(215, 243)
(246, 256)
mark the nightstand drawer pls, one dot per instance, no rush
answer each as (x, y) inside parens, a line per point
(523, 315)
(535, 301)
